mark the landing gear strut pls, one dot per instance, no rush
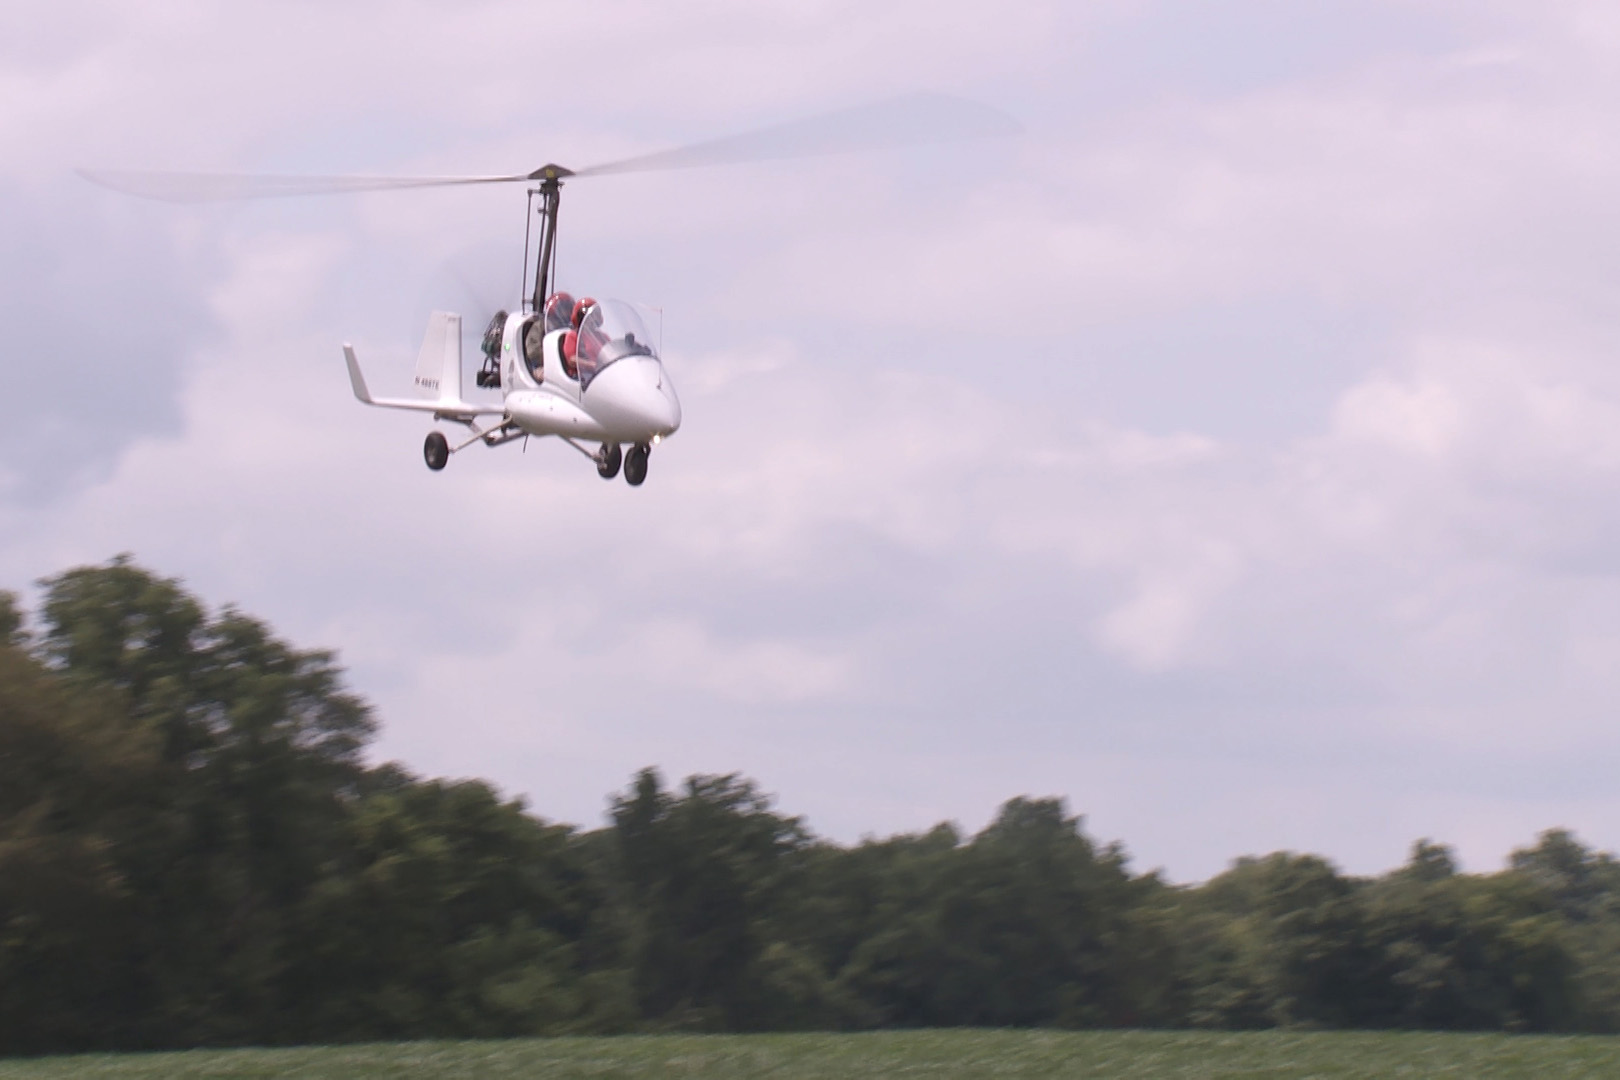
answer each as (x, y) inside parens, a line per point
(635, 464)
(436, 451)
(608, 459)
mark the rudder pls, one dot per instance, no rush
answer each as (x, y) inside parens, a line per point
(438, 366)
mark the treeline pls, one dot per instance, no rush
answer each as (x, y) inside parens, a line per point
(194, 852)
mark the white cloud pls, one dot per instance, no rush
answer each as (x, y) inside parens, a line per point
(915, 550)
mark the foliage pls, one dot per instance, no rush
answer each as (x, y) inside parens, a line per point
(708, 871)
(194, 852)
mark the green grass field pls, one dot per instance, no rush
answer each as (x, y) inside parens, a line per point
(943, 1054)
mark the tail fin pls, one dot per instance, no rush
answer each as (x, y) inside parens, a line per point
(438, 367)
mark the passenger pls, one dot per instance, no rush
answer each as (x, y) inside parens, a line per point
(558, 311)
(533, 338)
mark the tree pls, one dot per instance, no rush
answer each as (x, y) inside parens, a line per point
(1468, 952)
(257, 750)
(705, 873)
(1028, 924)
(1581, 883)
(1276, 940)
(193, 851)
(456, 914)
(1583, 886)
(12, 628)
(72, 777)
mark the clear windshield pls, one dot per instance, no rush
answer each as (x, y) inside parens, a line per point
(612, 330)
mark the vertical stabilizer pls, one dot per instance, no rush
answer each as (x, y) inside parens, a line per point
(438, 367)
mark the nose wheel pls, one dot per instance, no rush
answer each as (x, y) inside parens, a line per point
(436, 451)
(635, 464)
(608, 460)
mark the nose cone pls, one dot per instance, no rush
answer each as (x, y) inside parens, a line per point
(634, 400)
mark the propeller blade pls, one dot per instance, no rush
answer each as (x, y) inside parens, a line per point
(189, 187)
(906, 120)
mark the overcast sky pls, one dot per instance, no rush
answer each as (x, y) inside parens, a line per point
(1236, 453)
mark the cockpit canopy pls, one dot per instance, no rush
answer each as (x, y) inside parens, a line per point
(612, 330)
(559, 312)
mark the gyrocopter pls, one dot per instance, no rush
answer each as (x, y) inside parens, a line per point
(585, 370)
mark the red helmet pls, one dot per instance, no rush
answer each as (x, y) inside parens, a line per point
(558, 310)
(585, 304)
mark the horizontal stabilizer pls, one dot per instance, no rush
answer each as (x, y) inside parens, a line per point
(356, 380)
(453, 408)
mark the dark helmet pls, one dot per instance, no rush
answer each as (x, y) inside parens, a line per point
(493, 334)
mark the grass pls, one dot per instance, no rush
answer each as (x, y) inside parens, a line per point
(945, 1055)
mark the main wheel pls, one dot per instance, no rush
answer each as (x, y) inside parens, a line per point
(635, 464)
(607, 466)
(436, 451)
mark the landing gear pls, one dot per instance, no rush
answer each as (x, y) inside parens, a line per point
(436, 451)
(608, 459)
(635, 464)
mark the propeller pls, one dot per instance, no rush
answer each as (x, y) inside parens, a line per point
(474, 281)
(907, 120)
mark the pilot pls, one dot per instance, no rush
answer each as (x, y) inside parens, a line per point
(570, 341)
(582, 309)
(591, 339)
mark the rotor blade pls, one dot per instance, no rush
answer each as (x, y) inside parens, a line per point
(189, 187)
(900, 121)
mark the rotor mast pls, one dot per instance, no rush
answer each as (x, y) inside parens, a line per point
(550, 192)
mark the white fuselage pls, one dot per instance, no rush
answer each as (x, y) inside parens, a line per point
(631, 401)
(610, 388)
